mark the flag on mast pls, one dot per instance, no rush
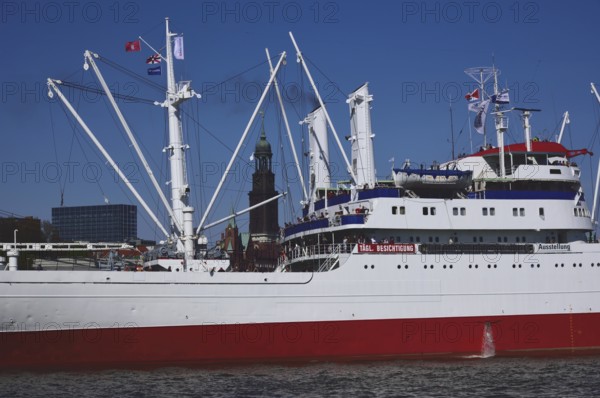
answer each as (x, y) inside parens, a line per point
(153, 59)
(473, 96)
(178, 50)
(501, 98)
(481, 108)
(156, 71)
(133, 46)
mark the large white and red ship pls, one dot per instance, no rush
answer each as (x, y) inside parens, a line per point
(489, 253)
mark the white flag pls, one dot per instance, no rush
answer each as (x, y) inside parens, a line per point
(501, 98)
(481, 108)
(178, 50)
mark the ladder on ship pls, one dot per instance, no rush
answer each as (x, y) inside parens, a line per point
(332, 260)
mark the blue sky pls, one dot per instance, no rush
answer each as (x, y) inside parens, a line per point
(412, 53)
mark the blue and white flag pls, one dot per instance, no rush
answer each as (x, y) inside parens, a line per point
(178, 50)
(501, 98)
(154, 71)
(481, 108)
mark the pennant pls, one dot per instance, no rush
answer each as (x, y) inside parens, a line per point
(481, 108)
(178, 50)
(133, 46)
(472, 96)
(153, 59)
(154, 71)
(501, 98)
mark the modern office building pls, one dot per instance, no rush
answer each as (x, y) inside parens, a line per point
(103, 223)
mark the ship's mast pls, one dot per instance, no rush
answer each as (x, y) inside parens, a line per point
(176, 152)
(501, 126)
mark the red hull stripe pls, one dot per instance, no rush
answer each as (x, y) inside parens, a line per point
(51, 346)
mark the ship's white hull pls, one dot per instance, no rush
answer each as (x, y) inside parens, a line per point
(436, 295)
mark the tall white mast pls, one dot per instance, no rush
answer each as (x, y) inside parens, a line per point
(176, 151)
(361, 138)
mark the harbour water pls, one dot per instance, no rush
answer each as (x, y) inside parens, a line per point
(472, 377)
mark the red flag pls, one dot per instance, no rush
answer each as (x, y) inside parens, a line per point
(132, 46)
(472, 96)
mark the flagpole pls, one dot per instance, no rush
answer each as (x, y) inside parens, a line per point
(452, 130)
(152, 48)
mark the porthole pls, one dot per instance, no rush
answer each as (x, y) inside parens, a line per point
(489, 266)
(476, 266)
(514, 266)
(399, 266)
(406, 266)
(470, 266)
(495, 265)
(444, 266)
(431, 266)
(372, 266)
(366, 266)
(450, 266)
(425, 266)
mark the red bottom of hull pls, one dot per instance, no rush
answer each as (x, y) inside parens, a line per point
(56, 346)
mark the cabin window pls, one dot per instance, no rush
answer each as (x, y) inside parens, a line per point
(484, 211)
(541, 212)
(418, 239)
(522, 212)
(411, 239)
(437, 239)
(475, 239)
(515, 212)
(455, 211)
(555, 171)
(432, 211)
(425, 211)
(481, 239)
(463, 211)
(394, 210)
(575, 212)
(492, 211)
(402, 210)
(431, 239)
(518, 240)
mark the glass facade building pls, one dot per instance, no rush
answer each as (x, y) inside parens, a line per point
(104, 223)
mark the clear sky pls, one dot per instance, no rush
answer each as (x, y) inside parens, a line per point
(412, 53)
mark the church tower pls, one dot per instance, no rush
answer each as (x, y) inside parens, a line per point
(264, 226)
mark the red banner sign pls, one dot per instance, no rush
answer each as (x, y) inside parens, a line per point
(383, 248)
